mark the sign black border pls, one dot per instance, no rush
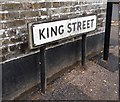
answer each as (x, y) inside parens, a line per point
(53, 20)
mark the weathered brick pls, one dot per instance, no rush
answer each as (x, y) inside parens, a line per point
(56, 4)
(0, 7)
(0, 43)
(1, 25)
(13, 48)
(9, 55)
(103, 9)
(72, 9)
(3, 35)
(15, 40)
(23, 47)
(44, 12)
(98, 11)
(38, 5)
(27, 6)
(29, 14)
(47, 5)
(3, 58)
(9, 16)
(74, 3)
(0, 16)
(100, 20)
(11, 6)
(23, 30)
(62, 4)
(65, 10)
(4, 25)
(5, 42)
(3, 16)
(12, 32)
(15, 23)
(7, 25)
(99, 24)
(24, 38)
(19, 14)
(100, 15)
(27, 20)
(4, 50)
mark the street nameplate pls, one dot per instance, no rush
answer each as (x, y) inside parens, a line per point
(43, 33)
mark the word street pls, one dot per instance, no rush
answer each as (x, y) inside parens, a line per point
(52, 31)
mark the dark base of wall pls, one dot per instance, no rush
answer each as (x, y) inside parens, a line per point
(22, 74)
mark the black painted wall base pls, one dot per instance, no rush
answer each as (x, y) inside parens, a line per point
(22, 74)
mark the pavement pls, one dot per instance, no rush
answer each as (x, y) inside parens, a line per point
(99, 80)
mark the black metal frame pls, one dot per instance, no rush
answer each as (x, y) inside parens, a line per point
(108, 29)
(43, 62)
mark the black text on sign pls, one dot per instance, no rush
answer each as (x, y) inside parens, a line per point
(51, 31)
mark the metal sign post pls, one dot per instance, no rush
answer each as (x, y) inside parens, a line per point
(108, 27)
(43, 68)
(83, 60)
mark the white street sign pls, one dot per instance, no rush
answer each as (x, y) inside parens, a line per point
(43, 33)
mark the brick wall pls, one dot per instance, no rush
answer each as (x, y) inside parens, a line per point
(14, 17)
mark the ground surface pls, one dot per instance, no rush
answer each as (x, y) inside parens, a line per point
(98, 81)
